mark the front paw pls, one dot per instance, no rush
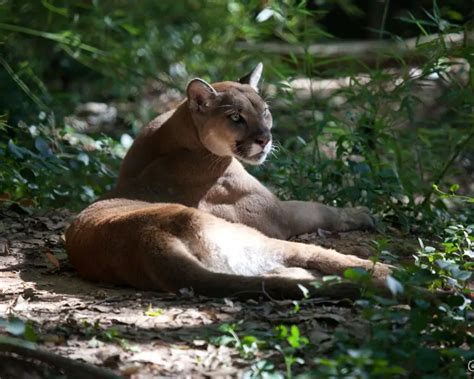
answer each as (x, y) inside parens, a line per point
(358, 218)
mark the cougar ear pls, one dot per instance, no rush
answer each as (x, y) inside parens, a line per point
(253, 77)
(199, 93)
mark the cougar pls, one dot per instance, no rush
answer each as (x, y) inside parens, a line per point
(186, 214)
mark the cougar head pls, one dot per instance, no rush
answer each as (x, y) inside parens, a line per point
(231, 118)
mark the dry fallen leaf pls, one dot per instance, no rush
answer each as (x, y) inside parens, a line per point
(53, 260)
(130, 370)
(19, 304)
(5, 196)
(53, 339)
(27, 202)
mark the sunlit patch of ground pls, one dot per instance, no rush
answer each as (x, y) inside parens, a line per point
(145, 334)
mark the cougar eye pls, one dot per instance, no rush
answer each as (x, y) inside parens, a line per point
(235, 117)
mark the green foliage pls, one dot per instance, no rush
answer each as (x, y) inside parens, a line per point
(452, 265)
(247, 346)
(54, 166)
(427, 338)
(387, 155)
(57, 55)
(18, 328)
(95, 333)
(288, 341)
(366, 143)
(116, 50)
(295, 342)
(153, 312)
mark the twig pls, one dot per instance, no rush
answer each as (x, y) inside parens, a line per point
(446, 167)
(267, 294)
(74, 369)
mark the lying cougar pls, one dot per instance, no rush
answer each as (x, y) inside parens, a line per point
(186, 214)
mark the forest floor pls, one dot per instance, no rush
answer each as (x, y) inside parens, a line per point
(146, 334)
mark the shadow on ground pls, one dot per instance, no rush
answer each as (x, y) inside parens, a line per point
(145, 334)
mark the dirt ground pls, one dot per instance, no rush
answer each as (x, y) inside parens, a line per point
(143, 334)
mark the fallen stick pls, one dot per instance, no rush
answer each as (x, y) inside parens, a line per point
(356, 49)
(73, 368)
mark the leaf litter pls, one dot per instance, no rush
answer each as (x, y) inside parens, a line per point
(143, 334)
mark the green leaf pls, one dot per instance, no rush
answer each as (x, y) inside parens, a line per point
(304, 290)
(223, 340)
(42, 146)
(30, 334)
(226, 328)
(331, 279)
(356, 274)
(61, 11)
(84, 158)
(153, 312)
(15, 150)
(394, 285)
(264, 15)
(454, 188)
(282, 331)
(462, 275)
(316, 284)
(454, 15)
(16, 327)
(301, 140)
(130, 29)
(294, 338)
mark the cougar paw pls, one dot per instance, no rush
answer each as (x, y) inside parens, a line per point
(358, 218)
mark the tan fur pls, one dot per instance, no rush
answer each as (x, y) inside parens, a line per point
(185, 212)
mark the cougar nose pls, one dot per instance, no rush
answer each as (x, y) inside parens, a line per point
(262, 141)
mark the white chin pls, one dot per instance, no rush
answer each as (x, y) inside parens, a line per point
(255, 161)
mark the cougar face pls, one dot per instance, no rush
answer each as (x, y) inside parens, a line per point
(231, 118)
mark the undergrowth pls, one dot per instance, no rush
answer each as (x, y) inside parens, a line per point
(429, 339)
(370, 142)
(46, 166)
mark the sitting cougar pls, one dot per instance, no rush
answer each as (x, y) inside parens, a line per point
(186, 214)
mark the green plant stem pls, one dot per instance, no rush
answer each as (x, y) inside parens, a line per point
(22, 84)
(382, 27)
(288, 364)
(384, 18)
(51, 36)
(460, 147)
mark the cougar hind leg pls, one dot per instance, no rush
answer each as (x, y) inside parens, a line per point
(243, 250)
(166, 247)
(250, 258)
(281, 283)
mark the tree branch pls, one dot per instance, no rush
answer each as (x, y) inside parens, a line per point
(73, 368)
(356, 49)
